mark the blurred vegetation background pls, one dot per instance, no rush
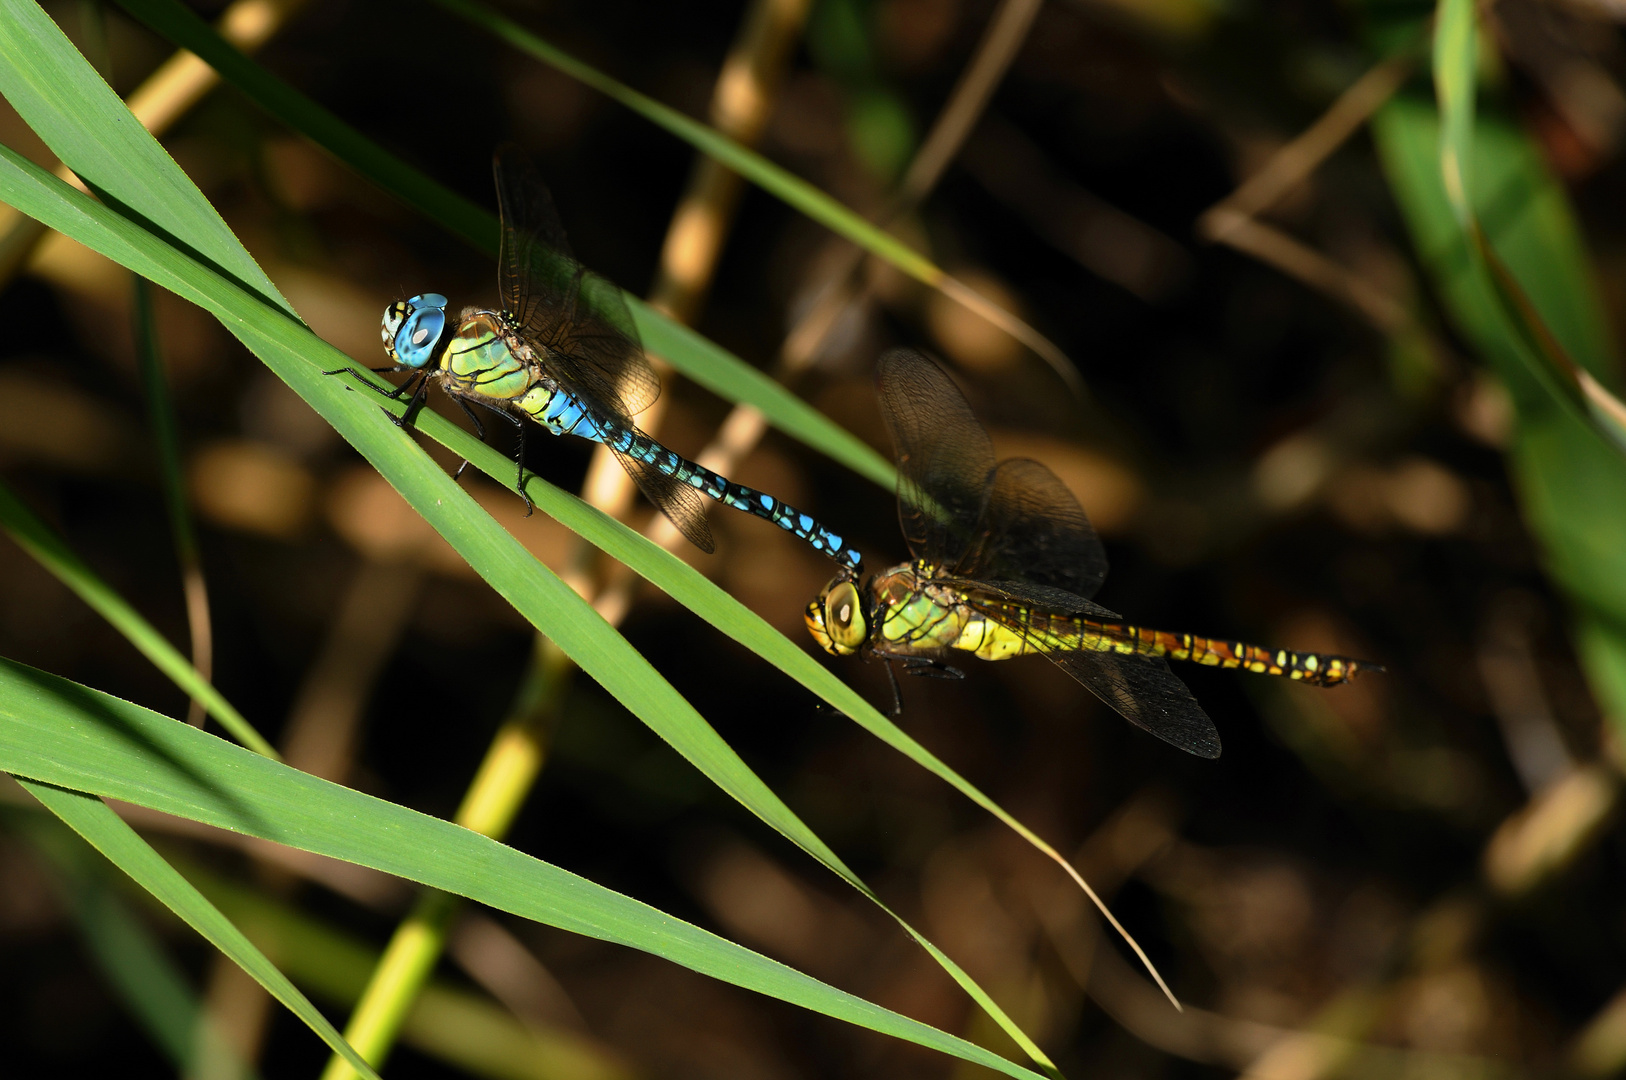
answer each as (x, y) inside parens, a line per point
(1298, 429)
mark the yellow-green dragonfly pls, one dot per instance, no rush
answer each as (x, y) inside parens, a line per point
(1005, 562)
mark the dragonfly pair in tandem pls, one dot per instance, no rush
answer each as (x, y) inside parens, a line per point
(564, 353)
(1005, 561)
(1005, 564)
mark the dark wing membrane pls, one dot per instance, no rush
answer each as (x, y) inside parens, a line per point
(1145, 692)
(1141, 689)
(578, 317)
(986, 596)
(1033, 531)
(944, 456)
(681, 504)
(534, 258)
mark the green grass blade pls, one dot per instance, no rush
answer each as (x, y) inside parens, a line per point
(553, 608)
(1456, 60)
(167, 440)
(152, 987)
(1456, 55)
(186, 29)
(35, 537)
(460, 1028)
(63, 734)
(789, 188)
(90, 129)
(784, 185)
(94, 820)
(1571, 482)
(699, 359)
(166, 435)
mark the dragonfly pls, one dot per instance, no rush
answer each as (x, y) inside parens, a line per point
(562, 352)
(1005, 563)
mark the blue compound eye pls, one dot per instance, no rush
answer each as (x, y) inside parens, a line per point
(421, 330)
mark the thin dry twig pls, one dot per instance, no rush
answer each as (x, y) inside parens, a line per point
(1299, 260)
(1292, 164)
(1233, 220)
(1097, 235)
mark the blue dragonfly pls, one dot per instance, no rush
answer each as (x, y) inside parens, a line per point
(562, 352)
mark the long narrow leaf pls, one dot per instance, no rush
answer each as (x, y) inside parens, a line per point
(92, 819)
(681, 727)
(1456, 54)
(1571, 482)
(166, 437)
(462, 1028)
(535, 591)
(45, 79)
(60, 733)
(784, 185)
(151, 985)
(35, 537)
(712, 367)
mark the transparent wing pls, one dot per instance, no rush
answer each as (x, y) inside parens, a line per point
(1139, 688)
(682, 504)
(580, 320)
(1145, 692)
(944, 456)
(1032, 530)
(989, 596)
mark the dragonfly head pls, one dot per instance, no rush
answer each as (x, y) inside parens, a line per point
(836, 618)
(413, 329)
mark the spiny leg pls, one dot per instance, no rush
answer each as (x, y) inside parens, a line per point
(897, 691)
(519, 481)
(479, 428)
(931, 669)
(518, 422)
(393, 393)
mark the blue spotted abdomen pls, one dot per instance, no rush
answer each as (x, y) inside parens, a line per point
(483, 359)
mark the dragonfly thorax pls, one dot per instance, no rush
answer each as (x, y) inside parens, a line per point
(413, 329)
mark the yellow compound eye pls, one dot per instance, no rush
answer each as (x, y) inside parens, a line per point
(844, 617)
(836, 618)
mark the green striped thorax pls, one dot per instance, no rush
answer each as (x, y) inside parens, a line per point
(413, 329)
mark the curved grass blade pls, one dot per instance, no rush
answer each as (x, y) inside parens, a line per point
(35, 537)
(167, 438)
(151, 985)
(461, 1028)
(299, 376)
(779, 182)
(90, 129)
(701, 360)
(536, 592)
(284, 348)
(1571, 482)
(94, 820)
(61, 734)
(1456, 55)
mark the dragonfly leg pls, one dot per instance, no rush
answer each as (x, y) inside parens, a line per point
(931, 669)
(419, 393)
(479, 428)
(897, 692)
(519, 481)
(393, 393)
